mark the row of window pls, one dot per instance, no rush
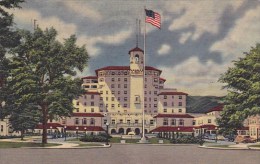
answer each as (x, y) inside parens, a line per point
(121, 121)
(113, 79)
(84, 121)
(165, 97)
(166, 110)
(92, 103)
(113, 92)
(173, 122)
(172, 104)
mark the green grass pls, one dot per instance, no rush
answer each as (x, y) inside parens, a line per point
(220, 146)
(156, 141)
(89, 145)
(24, 144)
(254, 146)
(115, 140)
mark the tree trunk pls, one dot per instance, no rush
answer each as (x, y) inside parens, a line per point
(22, 134)
(44, 124)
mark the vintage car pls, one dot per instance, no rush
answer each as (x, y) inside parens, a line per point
(244, 139)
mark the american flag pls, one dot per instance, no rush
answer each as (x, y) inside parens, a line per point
(153, 18)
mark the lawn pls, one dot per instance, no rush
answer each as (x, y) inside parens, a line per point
(156, 140)
(220, 146)
(89, 144)
(24, 144)
(151, 140)
(254, 145)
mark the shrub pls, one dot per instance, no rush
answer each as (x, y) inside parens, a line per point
(187, 139)
(92, 138)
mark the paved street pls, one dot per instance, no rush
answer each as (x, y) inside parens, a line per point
(129, 154)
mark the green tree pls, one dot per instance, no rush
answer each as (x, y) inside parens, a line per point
(243, 84)
(42, 72)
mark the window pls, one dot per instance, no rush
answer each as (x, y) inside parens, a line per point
(145, 86)
(77, 110)
(172, 110)
(101, 98)
(194, 122)
(145, 92)
(155, 99)
(2, 128)
(165, 121)
(101, 92)
(92, 96)
(113, 122)
(165, 110)
(112, 85)
(136, 121)
(101, 79)
(165, 97)
(155, 92)
(125, 98)
(92, 121)
(125, 85)
(92, 110)
(145, 105)
(85, 110)
(101, 105)
(118, 79)
(105, 121)
(151, 122)
(155, 105)
(121, 121)
(118, 92)
(172, 103)
(145, 79)
(84, 121)
(92, 103)
(150, 92)
(118, 105)
(149, 105)
(112, 99)
(125, 105)
(150, 99)
(106, 98)
(136, 58)
(173, 122)
(113, 79)
(180, 110)
(181, 122)
(106, 92)
(118, 98)
(180, 97)
(113, 73)
(76, 121)
(112, 105)
(85, 104)
(77, 103)
(180, 103)
(145, 99)
(125, 79)
(128, 121)
(164, 103)
(209, 121)
(119, 86)
(155, 79)
(85, 97)
(113, 92)
(125, 92)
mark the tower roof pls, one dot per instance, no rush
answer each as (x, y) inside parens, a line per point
(125, 68)
(136, 49)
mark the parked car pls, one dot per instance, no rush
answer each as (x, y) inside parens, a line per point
(244, 139)
(131, 133)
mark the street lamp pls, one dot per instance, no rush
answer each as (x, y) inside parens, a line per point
(65, 132)
(178, 132)
(216, 128)
(107, 124)
(77, 128)
(201, 136)
(85, 128)
(193, 131)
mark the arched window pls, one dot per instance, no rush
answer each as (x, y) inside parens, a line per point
(136, 58)
(92, 121)
(165, 121)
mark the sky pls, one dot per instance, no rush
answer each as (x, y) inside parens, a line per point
(197, 43)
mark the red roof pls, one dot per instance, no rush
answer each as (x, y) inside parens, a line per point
(82, 128)
(173, 116)
(125, 68)
(162, 79)
(87, 115)
(136, 49)
(217, 108)
(173, 129)
(207, 126)
(49, 125)
(243, 128)
(172, 93)
(92, 93)
(89, 77)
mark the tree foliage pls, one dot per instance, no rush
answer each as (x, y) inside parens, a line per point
(243, 84)
(41, 75)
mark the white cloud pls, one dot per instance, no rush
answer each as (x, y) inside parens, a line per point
(114, 39)
(184, 37)
(244, 35)
(164, 49)
(26, 16)
(204, 15)
(195, 77)
(82, 9)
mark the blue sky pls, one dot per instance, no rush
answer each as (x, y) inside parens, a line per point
(198, 41)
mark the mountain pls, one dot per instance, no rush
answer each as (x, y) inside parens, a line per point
(202, 104)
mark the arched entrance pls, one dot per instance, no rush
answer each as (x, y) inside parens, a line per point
(121, 131)
(113, 131)
(128, 130)
(137, 131)
(145, 131)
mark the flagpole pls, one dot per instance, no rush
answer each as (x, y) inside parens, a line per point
(143, 137)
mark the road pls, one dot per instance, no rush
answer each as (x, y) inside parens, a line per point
(129, 154)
